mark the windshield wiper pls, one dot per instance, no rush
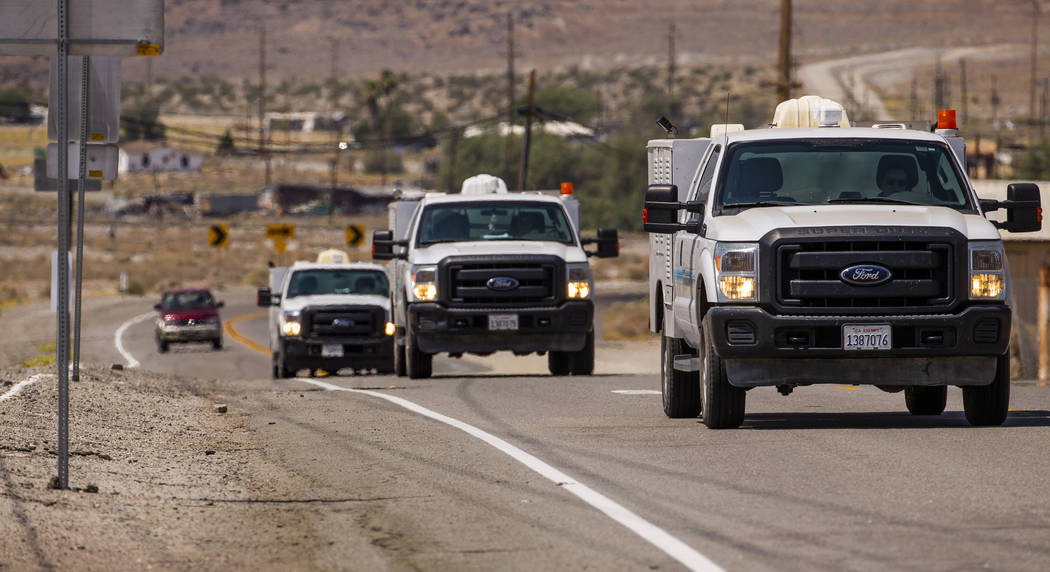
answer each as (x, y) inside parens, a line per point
(438, 241)
(873, 200)
(762, 204)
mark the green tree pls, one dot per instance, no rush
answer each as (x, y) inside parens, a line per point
(14, 103)
(1035, 163)
(226, 144)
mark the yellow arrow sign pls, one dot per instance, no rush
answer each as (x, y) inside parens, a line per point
(355, 235)
(282, 231)
(219, 235)
(280, 244)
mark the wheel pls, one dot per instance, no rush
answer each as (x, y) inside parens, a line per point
(559, 363)
(162, 346)
(722, 404)
(418, 364)
(279, 369)
(216, 344)
(989, 404)
(680, 389)
(582, 362)
(399, 359)
(926, 400)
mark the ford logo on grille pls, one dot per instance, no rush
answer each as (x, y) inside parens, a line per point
(342, 322)
(865, 274)
(502, 283)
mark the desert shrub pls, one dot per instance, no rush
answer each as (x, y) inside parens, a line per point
(257, 277)
(135, 288)
(626, 320)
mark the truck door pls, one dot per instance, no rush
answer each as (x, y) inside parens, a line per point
(692, 248)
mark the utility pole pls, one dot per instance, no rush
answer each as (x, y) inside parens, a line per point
(1044, 103)
(336, 133)
(939, 94)
(262, 102)
(913, 98)
(670, 62)
(784, 83)
(1034, 58)
(507, 140)
(524, 167)
(962, 89)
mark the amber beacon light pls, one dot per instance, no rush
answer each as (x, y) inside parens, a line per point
(946, 119)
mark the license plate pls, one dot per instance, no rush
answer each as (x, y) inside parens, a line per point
(332, 350)
(503, 321)
(867, 337)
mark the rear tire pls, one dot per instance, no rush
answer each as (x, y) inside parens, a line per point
(680, 389)
(583, 360)
(399, 359)
(926, 400)
(419, 365)
(986, 405)
(723, 405)
(559, 363)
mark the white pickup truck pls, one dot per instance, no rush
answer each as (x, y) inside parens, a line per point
(329, 316)
(488, 270)
(828, 254)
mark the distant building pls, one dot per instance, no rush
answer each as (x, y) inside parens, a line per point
(144, 156)
(304, 121)
(565, 129)
(302, 199)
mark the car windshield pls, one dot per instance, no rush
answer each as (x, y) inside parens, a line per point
(186, 300)
(337, 281)
(504, 220)
(833, 171)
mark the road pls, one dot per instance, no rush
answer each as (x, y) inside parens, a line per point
(828, 478)
(855, 81)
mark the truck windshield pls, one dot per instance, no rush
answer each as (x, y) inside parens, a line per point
(504, 220)
(833, 171)
(335, 281)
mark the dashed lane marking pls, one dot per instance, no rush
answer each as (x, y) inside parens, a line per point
(118, 337)
(231, 330)
(24, 384)
(653, 534)
(636, 391)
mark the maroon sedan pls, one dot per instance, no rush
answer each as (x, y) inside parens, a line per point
(188, 315)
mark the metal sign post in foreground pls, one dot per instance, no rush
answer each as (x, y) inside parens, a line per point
(62, 347)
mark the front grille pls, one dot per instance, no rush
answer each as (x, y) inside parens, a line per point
(468, 281)
(808, 274)
(343, 322)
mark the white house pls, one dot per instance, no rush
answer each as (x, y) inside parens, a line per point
(142, 156)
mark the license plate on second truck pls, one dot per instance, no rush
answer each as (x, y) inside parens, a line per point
(332, 350)
(867, 337)
(503, 321)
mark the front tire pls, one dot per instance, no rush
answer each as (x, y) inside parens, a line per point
(162, 346)
(680, 389)
(559, 363)
(987, 405)
(419, 365)
(216, 344)
(926, 400)
(723, 405)
(399, 359)
(583, 360)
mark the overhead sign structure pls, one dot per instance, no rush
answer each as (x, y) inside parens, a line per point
(283, 231)
(103, 115)
(218, 236)
(101, 161)
(41, 182)
(96, 27)
(355, 235)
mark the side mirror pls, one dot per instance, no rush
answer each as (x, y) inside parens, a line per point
(608, 243)
(156, 306)
(263, 297)
(383, 244)
(660, 210)
(1024, 210)
(220, 304)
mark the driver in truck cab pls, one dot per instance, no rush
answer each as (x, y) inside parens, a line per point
(896, 174)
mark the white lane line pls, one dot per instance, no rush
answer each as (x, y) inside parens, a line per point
(636, 391)
(24, 384)
(653, 534)
(119, 335)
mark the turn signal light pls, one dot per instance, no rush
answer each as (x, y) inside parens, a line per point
(390, 328)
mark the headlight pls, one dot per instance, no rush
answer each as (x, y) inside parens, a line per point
(390, 328)
(736, 273)
(987, 277)
(424, 283)
(579, 282)
(290, 325)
